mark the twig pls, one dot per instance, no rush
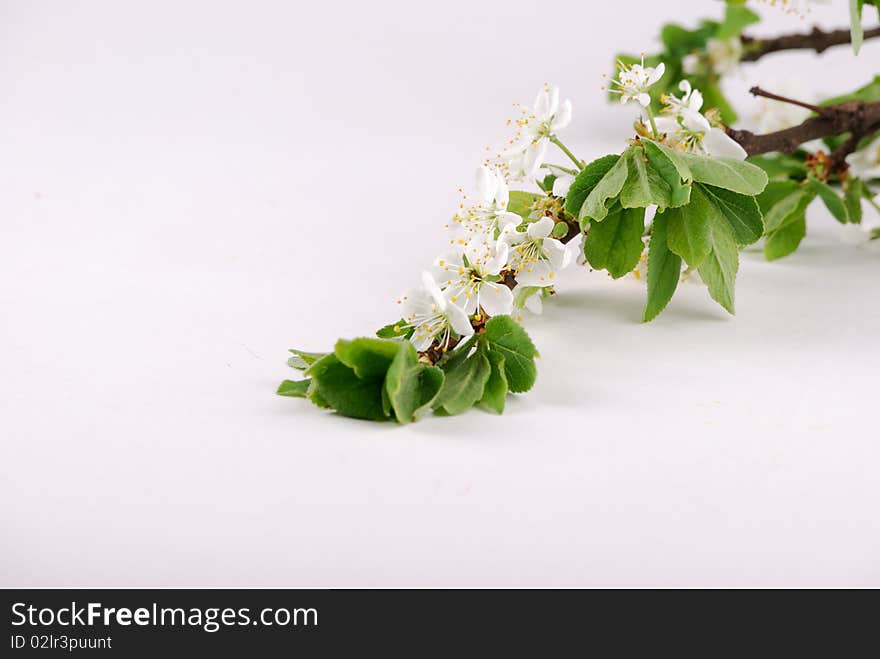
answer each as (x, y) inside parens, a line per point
(817, 39)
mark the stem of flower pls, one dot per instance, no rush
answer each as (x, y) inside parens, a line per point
(580, 163)
(650, 114)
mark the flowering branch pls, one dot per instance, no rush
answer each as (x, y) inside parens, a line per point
(817, 39)
(857, 118)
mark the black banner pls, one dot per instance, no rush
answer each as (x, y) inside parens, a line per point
(135, 623)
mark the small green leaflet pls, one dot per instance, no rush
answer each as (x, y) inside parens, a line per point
(833, 201)
(615, 244)
(337, 386)
(521, 202)
(495, 392)
(675, 173)
(644, 185)
(411, 387)
(464, 384)
(513, 343)
(741, 212)
(585, 181)
(736, 19)
(734, 175)
(395, 330)
(368, 357)
(718, 270)
(301, 359)
(852, 197)
(688, 229)
(603, 194)
(786, 239)
(664, 269)
(294, 388)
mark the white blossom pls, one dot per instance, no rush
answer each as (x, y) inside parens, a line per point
(865, 163)
(476, 227)
(562, 184)
(475, 285)
(634, 81)
(724, 54)
(684, 127)
(526, 150)
(432, 317)
(535, 256)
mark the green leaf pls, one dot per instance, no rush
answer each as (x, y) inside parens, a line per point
(560, 230)
(781, 166)
(664, 269)
(301, 359)
(734, 175)
(521, 202)
(495, 393)
(643, 186)
(785, 240)
(718, 270)
(774, 193)
(787, 208)
(585, 181)
(605, 192)
(740, 211)
(464, 384)
(855, 24)
(679, 41)
(615, 244)
(833, 202)
(411, 387)
(337, 386)
(852, 197)
(369, 357)
(294, 388)
(736, 19)
(396, 330)
(674, 172)
(514, 344)
(688, 229)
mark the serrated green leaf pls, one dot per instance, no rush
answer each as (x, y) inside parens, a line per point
(513, 343)
(605, 192)
(781, 166)
(301, 359)
(672, 170)
(615, 244)
(495, 393)
(785, 240)
(741, 212)
(411, 387)
(664, 270)
(337, 386)
(521, 202)
(294, 388)
(833, 202)
(718, 270)
(585, 181)
(644, 186)
(369, 357)
(734, 175)
(736, 19)
(857, 34)
(464, 384)
(689, 229)
(787, 208)
(852, 197)
(773, 194)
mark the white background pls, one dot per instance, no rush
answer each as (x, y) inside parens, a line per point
(189, 189)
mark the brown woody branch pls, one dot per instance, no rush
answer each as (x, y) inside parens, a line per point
(817, 39)
(854, 118)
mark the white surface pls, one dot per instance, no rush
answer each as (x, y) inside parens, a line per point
(190, 190)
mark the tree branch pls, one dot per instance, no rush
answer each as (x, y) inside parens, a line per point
(817, 39)
(856, 118)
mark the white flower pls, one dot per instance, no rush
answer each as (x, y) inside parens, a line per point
(477, 227)
(475, 285)
(432, 317)
(687, 129)
(525, 151)
(865, 163)
(534, 255)
(634, 81)
(562, 184)
(724, 54)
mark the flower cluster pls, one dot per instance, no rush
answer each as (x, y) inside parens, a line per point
(492, 248)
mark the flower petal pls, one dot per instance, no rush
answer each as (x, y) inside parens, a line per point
(717, 143)
(496, 299)
(541, 228)
(535, 304)
(538, 274)
(563, 117)
(557, 254)
(458, 320)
